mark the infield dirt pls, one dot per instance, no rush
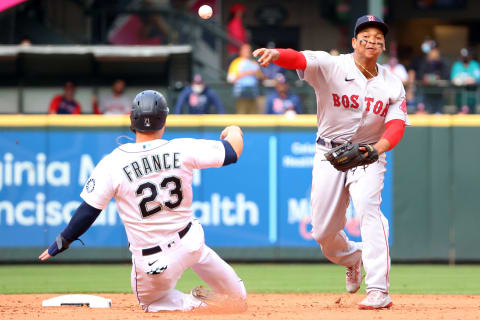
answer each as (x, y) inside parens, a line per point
(260, 306)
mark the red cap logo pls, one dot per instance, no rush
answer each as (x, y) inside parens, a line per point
(371, 18)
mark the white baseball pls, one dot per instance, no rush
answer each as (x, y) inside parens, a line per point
(205, 11)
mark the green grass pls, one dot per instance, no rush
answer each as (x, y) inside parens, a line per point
(265, 278)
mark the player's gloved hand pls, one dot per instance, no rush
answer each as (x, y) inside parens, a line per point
(60, 245)
(351, 155)
(369, 152)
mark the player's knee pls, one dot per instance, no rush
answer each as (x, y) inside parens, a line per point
(238, 290)
(327, 252)
(326, 242)
(330, 253)
(321, 236)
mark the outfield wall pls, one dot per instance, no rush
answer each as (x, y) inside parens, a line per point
(257, 209)
(436, 190)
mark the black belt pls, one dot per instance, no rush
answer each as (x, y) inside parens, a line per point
(156, 249)
(324, 143)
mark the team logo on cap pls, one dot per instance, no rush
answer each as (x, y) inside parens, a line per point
(147, 122)
(371, 18)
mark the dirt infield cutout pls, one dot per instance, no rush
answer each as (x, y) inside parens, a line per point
(261, 306)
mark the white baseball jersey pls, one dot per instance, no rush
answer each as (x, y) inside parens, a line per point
(349, 106)
(152, 185)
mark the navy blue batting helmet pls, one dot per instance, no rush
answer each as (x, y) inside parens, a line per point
(149, 111)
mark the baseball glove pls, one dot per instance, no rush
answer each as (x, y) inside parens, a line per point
(351, 155)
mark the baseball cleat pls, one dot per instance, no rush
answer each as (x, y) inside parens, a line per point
(376, 300)
(207, 296)
(218, 301)
(353, 277)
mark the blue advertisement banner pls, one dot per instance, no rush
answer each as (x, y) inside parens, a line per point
(262, 201)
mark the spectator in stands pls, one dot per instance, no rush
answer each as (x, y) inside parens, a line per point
(414, 70)
(464, 110)
(198, 98)
(431, 70)
(117, 103)
(397, 69)
(466, 73)
(434, 67)
(282, 100)
(65, 103)
(436, 71)
(244, 73)
(235, 29)
(421, 109)
(413, 95)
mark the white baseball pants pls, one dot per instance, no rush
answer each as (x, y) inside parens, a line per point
(156, 292)
(331, 192)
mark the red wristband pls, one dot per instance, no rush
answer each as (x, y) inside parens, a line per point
(394, 132)
(291, 59)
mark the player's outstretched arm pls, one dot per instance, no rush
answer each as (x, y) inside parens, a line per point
(285, 58)
(234, 135)
(83, 218)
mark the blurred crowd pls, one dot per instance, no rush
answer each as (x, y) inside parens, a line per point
(244, 74)
(115, 103)
(433, 84)
(425, 80)
(430, 73)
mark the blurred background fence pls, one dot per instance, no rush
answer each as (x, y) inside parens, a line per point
(257, 210)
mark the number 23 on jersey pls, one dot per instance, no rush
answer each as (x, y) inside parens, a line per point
(172, 184)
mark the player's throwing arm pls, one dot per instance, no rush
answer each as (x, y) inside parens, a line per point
(361, 114)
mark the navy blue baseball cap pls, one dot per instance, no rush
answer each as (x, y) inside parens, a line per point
(370, 21)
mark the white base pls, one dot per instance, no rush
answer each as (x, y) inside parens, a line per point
(80, 300)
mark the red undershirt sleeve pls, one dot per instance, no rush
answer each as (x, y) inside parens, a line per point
(394, 132)
(291, 59)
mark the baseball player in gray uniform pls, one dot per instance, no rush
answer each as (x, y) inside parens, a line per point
(362, 102)
(151, 181)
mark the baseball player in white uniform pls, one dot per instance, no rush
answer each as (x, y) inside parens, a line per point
(360, 101)
(151, 181)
